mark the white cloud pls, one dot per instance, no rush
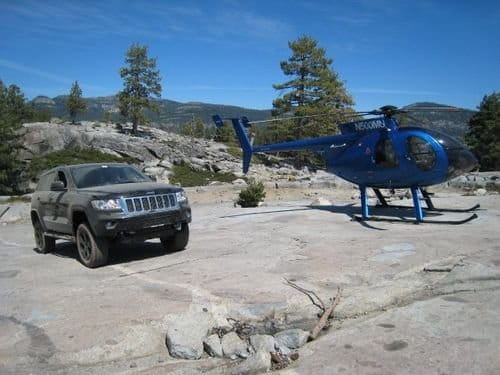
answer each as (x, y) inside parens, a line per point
(394, 91)
(218, 88)
(47, 75)
(84, 20)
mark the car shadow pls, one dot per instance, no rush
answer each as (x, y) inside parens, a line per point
(119, 252)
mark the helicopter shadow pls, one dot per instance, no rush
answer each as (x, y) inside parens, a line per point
(349, 209)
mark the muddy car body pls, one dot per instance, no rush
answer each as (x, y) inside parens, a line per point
(96, 205)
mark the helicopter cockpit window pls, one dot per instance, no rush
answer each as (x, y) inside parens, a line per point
(421, 152)
(385, 155)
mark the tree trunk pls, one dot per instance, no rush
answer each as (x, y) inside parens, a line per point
(135, 122)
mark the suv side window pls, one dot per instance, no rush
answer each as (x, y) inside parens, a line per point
(45, 181)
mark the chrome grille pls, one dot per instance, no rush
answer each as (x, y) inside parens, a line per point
(156, 203)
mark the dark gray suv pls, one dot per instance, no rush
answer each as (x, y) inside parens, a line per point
(95, 205)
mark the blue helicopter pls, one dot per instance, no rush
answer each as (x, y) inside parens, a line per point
(377, 153)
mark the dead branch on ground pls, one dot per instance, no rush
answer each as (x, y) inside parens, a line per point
(309, 293)
(326, 312)
(325, 317)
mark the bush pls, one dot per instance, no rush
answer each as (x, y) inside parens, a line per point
(186, 176)
(235, 152)
(252, 195)
(70, 156)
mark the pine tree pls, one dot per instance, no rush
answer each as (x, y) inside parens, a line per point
(75, 104)
(225, 134)
(194, 128)
(484, 133)
(13, 110)
(141, 81)
(313, 90)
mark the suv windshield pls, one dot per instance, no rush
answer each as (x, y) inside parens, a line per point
(98, 175)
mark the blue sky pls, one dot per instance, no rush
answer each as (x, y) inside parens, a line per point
(228, 51)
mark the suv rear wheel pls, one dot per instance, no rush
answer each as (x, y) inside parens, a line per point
(178, 241)
(93, 251)
(44, 244)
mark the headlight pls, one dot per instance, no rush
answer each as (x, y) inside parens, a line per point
(107, 205)
(181, 196)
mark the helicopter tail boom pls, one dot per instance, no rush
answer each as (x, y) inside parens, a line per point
(319, 144)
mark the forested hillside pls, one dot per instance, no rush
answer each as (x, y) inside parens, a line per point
(171, 113)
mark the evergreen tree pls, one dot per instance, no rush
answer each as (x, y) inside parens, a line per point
(313, 90)
(141, 81)
(107, 117)
(13, 110)
(75, 104)
(194, 128)
(41, 115)
(225, 134)
(484, 133)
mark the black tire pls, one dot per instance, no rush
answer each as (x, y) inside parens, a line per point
(93, 251)
(178, 241)
(44, 244)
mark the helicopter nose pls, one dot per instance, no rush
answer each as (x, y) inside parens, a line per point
(460, 161)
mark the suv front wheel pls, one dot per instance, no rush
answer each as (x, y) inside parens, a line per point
(93, 251)
(44, 244)
(178, 241)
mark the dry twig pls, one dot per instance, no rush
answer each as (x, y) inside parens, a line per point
(309, 293)
(326, 312)
(324, 318)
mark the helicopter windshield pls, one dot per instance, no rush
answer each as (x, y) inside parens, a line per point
(448, 142)
(421, 152)
(460, 159)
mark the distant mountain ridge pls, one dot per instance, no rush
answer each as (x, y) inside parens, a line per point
(172, 114)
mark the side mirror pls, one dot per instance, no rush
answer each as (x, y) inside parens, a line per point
(57, 186)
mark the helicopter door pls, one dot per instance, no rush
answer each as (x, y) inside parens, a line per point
(421, 152)
(385, 154)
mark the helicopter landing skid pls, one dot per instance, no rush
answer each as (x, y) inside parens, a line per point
(423, 221)
(417, 206)
(428, 201)
(434, 209)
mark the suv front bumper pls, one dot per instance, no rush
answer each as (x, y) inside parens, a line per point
(149, 225)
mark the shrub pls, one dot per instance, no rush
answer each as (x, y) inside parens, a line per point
(186, 176)
(235, 152)
(252, 195)
(74, 155)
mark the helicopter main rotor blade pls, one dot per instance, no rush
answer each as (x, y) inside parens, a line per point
(301, 117)
(416, 109)
(417, 120)
(287, 118)
(383, 111)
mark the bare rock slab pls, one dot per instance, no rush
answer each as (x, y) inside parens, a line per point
(213, 346)
(263, 343)
(257, 363)
(234, 347)
(186, 333)
(291, 338)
